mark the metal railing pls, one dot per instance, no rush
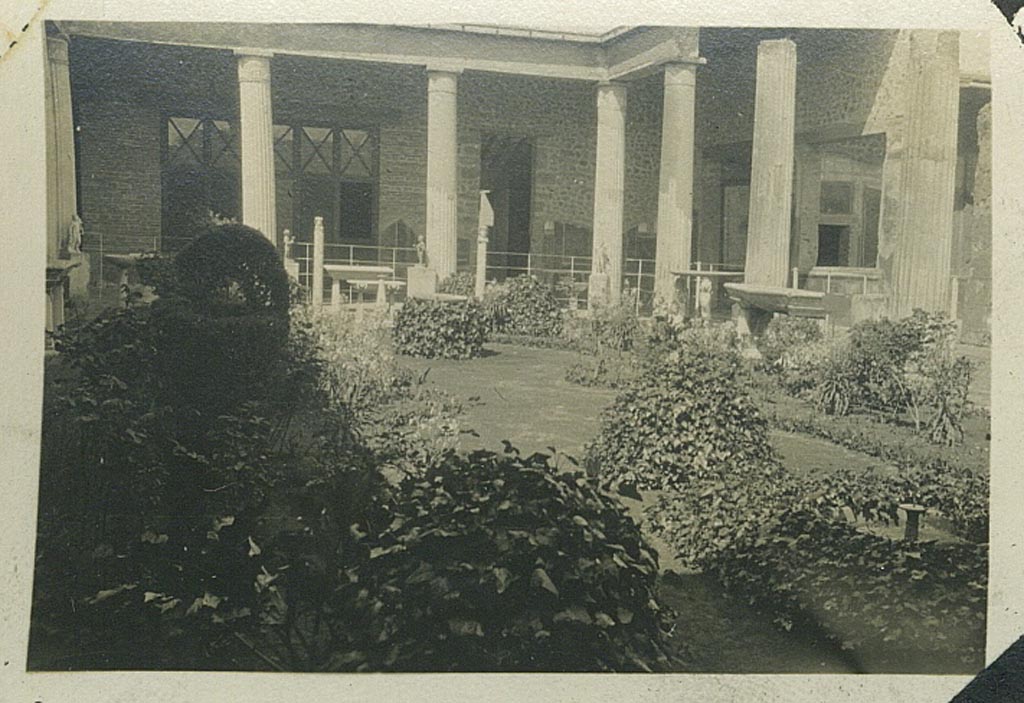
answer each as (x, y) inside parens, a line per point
(569, 275)
(399, 259)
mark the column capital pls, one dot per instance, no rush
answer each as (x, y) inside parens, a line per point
(253, 67)
(454, 70)
(611, 95)
(680, 73)
(777, 46)
(57, 49)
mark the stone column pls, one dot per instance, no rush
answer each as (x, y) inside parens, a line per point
(771, 170)
(256, 127)
(920, 266)
(675, 188)
(442, 171)
(61, 198)
(609, 186)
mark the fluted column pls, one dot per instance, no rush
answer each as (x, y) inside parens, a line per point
(609, 186)
(675, 186)
(442, 171)
(920, 267)
(60, 150)
(256, 126)
(771, 169)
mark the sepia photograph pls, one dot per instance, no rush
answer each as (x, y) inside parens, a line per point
(514, 348)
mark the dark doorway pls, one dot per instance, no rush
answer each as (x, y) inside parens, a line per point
(833, 245)
(506, 172)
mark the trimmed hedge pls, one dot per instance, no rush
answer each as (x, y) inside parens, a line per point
(523, 306)
(460, 283)
(440, 329)
(233, 270)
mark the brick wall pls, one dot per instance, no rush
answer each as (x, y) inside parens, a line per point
(119, 175)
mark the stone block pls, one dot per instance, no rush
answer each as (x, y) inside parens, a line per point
(422, 282)
(869, 306)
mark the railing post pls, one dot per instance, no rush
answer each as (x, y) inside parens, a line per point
(318, 261)
(796, 277)
(828, 282)
(529, 266)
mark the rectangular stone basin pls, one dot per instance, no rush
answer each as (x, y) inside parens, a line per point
(790, 301)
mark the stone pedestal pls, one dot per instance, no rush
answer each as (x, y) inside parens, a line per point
(442, 171)
(920, 262)
(771, 172)
(317, 274)
(609, 186)
(675, 189)
(422, 282)
(480, 282)
(256, 128)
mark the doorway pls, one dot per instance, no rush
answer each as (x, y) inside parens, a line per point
(506, 174)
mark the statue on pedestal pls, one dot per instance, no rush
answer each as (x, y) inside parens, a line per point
(289, 241)
(704, 297)
(421, 250)
(74, 237)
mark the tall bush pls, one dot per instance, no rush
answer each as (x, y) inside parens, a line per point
(686, 417)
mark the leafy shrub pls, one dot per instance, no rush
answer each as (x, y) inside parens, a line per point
(880, 351)
(459, 283)
(209, 364)
(603, 370)
(685, 418)
(408, 425)
(499, 563)
(156, 501)
(445, 329)
(787, 545)
(906, 366)
(160, 272)
(951, 481)
(939, 381)
(523, 305)
(836, 388)
(794, 351)
(871, 594)
(784, 334)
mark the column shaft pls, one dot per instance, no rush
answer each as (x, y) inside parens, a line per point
(259, 208)
(771, 171)
(675, 187)
(609, 185)
(60, 149)
(920, 268)
(442, 172)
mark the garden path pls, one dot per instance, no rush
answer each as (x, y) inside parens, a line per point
(521, 394)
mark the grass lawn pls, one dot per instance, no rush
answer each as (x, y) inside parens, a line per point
(520, 394)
